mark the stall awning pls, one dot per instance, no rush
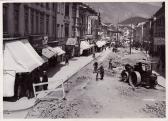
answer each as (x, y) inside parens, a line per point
(8, 83)
(100, 43)
(84, 45)
(59, 50)
(71, 41)
(20, 56)
(48, 52)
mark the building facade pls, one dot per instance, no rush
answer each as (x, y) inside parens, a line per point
(24, 19)
(159, 31)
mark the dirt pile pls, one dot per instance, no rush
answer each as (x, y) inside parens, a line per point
(158, 109)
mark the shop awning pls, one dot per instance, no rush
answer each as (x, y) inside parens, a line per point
(48, 52)
(100, 43)
(20, 56)
(59, 50)
(72, 41)
(8, 83)
(84, 45)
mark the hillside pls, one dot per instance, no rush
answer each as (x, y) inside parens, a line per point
(114, 12)
(133, 20)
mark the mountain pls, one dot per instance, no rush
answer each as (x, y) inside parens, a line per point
(133, 20)
(114, 12)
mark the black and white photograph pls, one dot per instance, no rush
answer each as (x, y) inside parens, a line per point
(80, 60)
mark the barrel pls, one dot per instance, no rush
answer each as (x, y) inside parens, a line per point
(134, 78)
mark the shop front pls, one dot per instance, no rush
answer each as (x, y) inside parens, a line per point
(100, 45)
(72, 47)
(51, 54)
(85, 48)
(20, 61)
(60, 54)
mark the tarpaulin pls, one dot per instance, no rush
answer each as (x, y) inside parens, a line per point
(8, 83)
(84, 45)
(22, 55)
(59, 50)
(19, 56)
(48, 52)
(71, 41)
(100, 43)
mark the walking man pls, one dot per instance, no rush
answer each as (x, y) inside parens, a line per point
(66, 59)
(95, 65)
(101, 69)
(110, 64)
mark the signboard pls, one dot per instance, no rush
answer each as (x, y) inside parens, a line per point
(159, 41)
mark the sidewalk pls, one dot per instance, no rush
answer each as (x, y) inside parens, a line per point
(64, 73)
(75, 64)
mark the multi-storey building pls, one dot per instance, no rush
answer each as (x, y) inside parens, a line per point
(24, 19)
(159, 30)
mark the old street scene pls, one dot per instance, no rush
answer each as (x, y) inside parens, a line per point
(84, 60)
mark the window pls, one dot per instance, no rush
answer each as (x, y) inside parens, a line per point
(66, 30)
(66, 9)
(37, 22)
(73, 31)
(62, 31)
(58, 7)
(53, 6)
(26, 18)
(41, 23)
(5, 18)
(16, 18)
(62, 8)
(47, 5)
(54, 26)
(47, 24)
(41, 4)
(58, 30)
(32, 21)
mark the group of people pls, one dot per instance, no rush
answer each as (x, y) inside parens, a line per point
(98, 70)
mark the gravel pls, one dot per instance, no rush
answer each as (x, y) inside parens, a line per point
(157, 109)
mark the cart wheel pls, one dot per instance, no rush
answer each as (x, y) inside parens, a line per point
(134, 79)
(125, 76)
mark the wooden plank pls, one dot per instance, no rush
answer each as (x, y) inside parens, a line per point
(59, 83)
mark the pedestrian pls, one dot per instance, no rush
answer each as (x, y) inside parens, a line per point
(93, 55)
(101, 70)
(45, 79)
(66, 59)
(36, 79)
(97, 74)
(95, 65)
(110, 64)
